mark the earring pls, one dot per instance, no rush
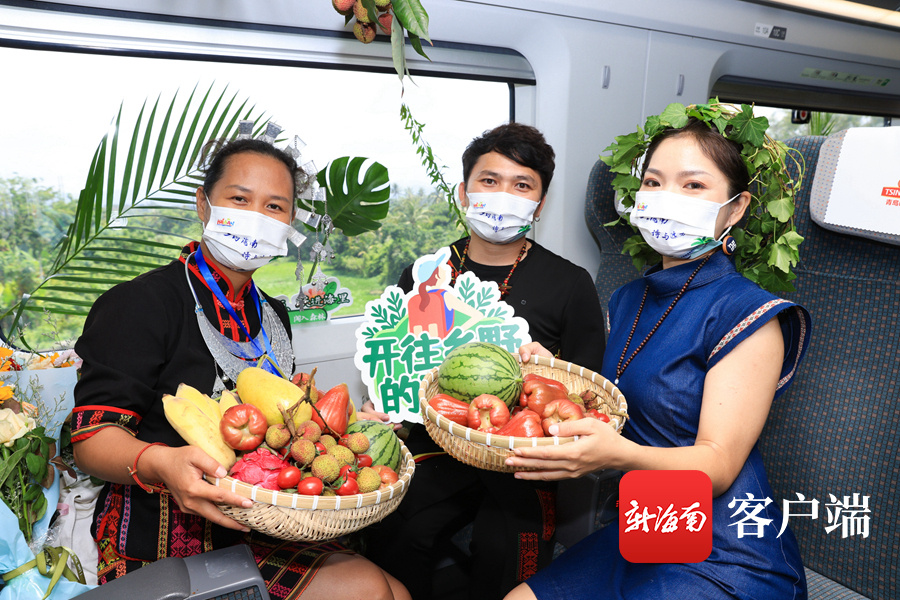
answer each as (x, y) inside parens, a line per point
(729, 245)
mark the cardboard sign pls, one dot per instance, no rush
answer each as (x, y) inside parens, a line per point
(318, 300)
(405, 335)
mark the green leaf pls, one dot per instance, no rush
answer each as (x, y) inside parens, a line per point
(748, 128)
(781, 258)
(653, 126)
(776, 281)
(417, 45)
(674, 115)
(791, 238)
(782, 209)
(412, 16)
(371, 10)
(8, 466)
(397, 50)
(355, 206)
(35, 464)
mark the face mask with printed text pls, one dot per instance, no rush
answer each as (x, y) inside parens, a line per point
(676, 225)
(499, 217)
(245, 240)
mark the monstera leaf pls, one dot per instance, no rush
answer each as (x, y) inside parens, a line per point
(138, 200)
(355, 203)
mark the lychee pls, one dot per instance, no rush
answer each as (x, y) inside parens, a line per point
(309, 430)
(384, 22)
(328, 441)
(368, 479)
(383, 4)
(357, 442)
(326, 467)
(345, 7)
(361, 13)
(277, 436)
(303, 452)
(364, 32)
(344, 455)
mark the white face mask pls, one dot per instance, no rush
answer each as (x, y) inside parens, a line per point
(245, 240)
(676, 225)
(499, 217)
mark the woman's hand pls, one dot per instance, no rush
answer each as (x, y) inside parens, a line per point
(367, 412)
(181, 470)
(530, 348)
(598, 447)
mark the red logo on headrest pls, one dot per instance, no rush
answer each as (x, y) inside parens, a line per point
(891, 192)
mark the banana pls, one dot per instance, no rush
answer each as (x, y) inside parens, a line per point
(203, 402)
(227, 400)
(197, 429)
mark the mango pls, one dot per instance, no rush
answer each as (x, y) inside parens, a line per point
(268, 392)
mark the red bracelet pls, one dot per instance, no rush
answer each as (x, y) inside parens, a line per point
(133, 471)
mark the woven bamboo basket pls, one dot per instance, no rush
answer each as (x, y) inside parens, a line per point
(315, 518)
(490, 451)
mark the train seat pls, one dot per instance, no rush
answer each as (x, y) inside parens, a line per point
(833, 437)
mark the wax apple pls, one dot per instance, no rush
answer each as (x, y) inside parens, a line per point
(558, 411)
(487, 413)
(243, 427)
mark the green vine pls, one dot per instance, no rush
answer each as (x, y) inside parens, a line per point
(435, 172)
(768, 242)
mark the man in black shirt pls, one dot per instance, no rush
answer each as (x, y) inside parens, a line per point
(507, 172)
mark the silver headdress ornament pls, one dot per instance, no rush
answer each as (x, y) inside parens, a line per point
(245, 130)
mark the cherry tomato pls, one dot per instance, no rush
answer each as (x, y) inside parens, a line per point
(320, 448)
(289, 477)
(310, 486)
(598, 415)
(348, 488)
(388, 475)
(347, 471)
(363, 460)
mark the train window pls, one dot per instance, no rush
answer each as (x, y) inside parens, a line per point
(785, 123)
(54, 124)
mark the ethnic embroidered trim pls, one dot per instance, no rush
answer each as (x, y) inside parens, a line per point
(748, 320)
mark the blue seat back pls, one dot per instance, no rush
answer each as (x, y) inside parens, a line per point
(836, 430)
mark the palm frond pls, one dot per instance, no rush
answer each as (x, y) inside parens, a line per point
(139, 189)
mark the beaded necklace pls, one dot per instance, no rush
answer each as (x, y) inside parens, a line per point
(504, 287)
(620, 368)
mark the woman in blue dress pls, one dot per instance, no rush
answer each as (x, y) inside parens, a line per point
(700, 352)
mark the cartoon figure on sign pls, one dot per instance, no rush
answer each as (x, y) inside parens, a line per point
(436, 311)
(405, 335)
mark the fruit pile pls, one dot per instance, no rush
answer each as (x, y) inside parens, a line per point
(288, 435)
(368, 22)
(482, 388)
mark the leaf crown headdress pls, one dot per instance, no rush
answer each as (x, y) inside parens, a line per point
(768, 241)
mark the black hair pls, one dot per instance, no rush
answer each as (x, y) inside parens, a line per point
(217, 152)
(522, 144)
(725, 153)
